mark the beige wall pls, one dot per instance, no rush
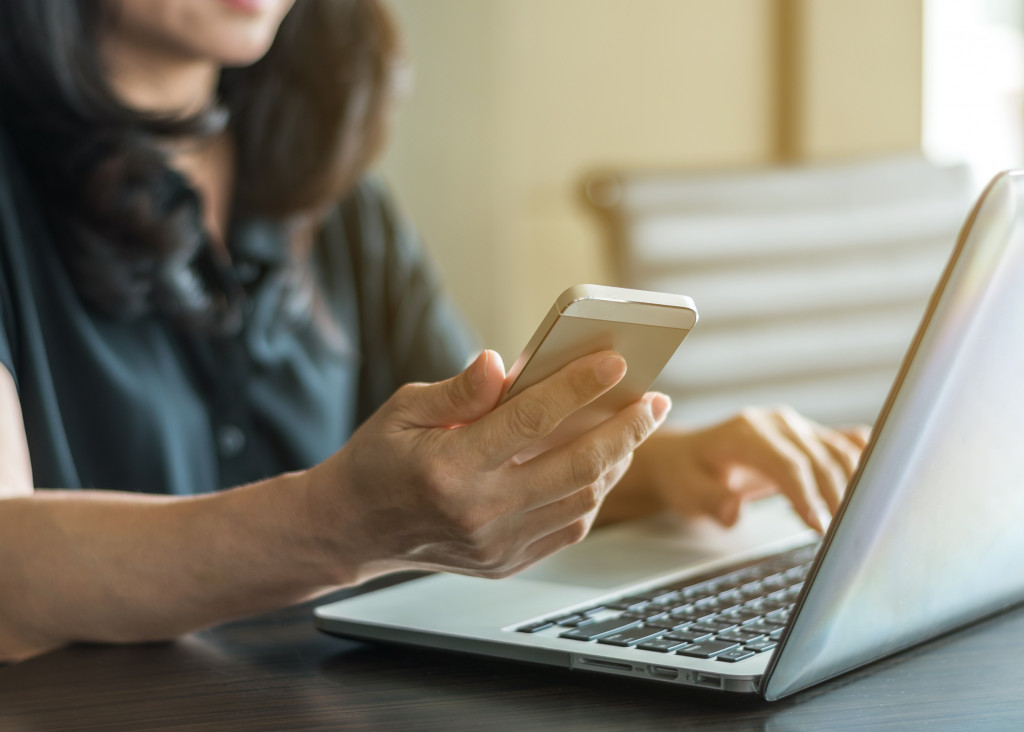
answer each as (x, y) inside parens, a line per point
(515, 100)
(856, 80)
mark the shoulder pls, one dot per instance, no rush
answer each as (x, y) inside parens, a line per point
(368, 230)
(369, 212)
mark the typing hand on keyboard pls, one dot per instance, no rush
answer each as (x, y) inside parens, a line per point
(714, 470)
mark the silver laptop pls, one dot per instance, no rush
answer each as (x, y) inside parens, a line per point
(928, 537)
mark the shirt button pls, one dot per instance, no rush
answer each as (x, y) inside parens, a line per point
(247, 272)
(230, 441)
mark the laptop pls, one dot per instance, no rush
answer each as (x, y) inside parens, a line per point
(928, 537)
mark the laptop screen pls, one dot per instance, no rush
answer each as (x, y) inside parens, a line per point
(929, 537)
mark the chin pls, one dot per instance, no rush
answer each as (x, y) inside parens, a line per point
(227, 32)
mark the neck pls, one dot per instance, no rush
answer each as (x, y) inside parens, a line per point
(163, 83)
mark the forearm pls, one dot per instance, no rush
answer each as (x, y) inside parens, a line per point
(120, 567)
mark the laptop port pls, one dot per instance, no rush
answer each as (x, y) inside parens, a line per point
(584, 661)
(663, 672)
(714, 682)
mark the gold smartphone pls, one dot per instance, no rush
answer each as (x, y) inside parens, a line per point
(645, 327)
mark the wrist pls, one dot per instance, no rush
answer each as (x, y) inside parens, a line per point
(282, 511)
(336, 531)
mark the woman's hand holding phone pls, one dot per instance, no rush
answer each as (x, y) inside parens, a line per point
(432, 480)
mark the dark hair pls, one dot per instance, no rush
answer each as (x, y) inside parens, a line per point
(306, 119)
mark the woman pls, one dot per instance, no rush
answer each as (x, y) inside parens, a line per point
(200, 290)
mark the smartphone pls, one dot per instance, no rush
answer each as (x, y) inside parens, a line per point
(646, 328)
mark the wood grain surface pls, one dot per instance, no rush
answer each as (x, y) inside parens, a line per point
(276, 672)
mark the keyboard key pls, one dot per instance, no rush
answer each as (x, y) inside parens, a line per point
(631, 604)
(661, 645)
(688, 636)
(664, 620)
(740, 615)
(737, 654)
(796, 574)
(738, 635)
(713, 626)
(685, 611)
(570, 621)
(743, 597)
(708, 603)
(730, 597)
(631, 637)
(752, 589)
(663, 598)
(590, 631)
(760, 646)
(535, 627)
(707, 649)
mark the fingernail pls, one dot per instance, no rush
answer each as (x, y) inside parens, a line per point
(660, 404)
(478, 370)
(610, 369)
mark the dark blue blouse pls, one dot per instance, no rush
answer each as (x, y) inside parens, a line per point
(141, 406)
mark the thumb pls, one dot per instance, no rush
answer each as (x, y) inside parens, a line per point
(461, 399)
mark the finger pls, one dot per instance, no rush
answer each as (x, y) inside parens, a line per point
(459, 400)
(565, 469)
(858, 435)
(565, 522)
(551, 543)
(843, 449)
(583, 503)
(829, 475)
(763, 448)
(704, 494)
(534, 414)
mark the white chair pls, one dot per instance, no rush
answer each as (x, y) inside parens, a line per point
(810, 281)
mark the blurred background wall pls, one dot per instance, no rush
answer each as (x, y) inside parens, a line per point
(513, 102)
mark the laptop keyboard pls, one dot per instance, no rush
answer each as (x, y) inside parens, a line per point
(729, 617)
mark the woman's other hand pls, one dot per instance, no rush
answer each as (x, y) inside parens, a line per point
(431, 481)
(714, 470)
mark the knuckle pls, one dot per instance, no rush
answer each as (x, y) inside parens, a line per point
(749, 418)
(640, 428)
(588, 499)
(530, 419)
(486, 557)
(587, 466)
(577, 531)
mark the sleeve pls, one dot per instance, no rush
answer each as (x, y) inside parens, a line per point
(6, 354)
(410, 330)
(7, 236)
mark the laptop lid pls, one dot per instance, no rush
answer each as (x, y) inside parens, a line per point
(929, 536)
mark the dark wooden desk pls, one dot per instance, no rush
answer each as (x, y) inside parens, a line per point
(277, 672)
